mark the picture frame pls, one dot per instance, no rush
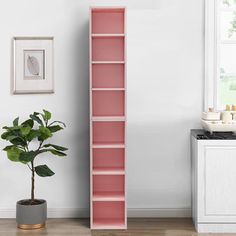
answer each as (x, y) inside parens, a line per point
(33, 65)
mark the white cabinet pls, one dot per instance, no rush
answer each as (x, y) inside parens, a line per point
(214, 185)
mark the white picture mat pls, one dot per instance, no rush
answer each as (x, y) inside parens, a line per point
(33, 86)
(39, 56)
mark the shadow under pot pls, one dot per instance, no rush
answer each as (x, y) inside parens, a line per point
(31, 214)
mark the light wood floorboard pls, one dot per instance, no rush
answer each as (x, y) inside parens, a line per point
(80, 227)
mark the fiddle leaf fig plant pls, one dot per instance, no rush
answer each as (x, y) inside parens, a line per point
(25, 136)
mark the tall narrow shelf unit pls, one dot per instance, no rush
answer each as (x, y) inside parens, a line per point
(107, 118)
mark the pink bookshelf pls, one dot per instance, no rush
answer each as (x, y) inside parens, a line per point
(107, 118)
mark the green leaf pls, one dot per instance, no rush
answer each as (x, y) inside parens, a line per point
(60, 148)
(43, 171)
(14, 128)
(54, 128)
(36, 118)
(53, 151)
(57, 153)
(18, 141)
(25, 130)
(7, 147)
(33, 134)
(5, 135)
(27, 156)
(57, 121)
(13, 154)
(28, 122)
(11, 137)
(47, 115)
(45, 133)
(16, 121)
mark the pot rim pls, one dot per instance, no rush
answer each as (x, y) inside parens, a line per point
(42, 201)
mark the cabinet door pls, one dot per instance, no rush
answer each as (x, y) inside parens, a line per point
(217, 184)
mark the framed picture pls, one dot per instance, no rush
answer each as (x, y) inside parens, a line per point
(33, 65)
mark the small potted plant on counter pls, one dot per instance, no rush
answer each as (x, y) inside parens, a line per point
(23, 137)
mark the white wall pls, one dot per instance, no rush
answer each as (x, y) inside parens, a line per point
(165, 71)
(165, 74)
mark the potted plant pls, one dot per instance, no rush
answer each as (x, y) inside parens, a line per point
(32, 213)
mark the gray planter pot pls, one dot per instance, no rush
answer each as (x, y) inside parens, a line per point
(31, 216)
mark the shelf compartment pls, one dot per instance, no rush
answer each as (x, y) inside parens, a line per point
(108, 103)
(108, 76)
(107, 21)
(108, 215)
(108, 158)
(108, 49)
(108, 186)
(108, 132)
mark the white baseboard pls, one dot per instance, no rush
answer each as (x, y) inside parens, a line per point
(84, 212)
(216, 228)
(159, 212)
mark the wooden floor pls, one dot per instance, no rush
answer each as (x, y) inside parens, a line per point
(80, 227)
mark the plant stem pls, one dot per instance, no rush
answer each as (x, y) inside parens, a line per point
(33, 174)
(28, 166)
(32, 181)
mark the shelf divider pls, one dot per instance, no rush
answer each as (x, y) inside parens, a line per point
(115, 145)
(108, 171)
(108, 118)
(108, 35)
(108, 224)
(108, 89)
(108, 196)
(108, 62)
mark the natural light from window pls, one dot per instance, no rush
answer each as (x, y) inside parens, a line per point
(226, 45)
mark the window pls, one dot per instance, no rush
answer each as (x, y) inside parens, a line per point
(220, 53)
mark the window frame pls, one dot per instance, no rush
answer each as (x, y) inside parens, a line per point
(212, 48)
(210, 86)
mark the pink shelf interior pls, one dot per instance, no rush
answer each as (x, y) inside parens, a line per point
(107, 21)
(108, 103)
(108, 49)
(110, 158)
(111, 185)
(108, 132)
(108, 76)
(108, 214)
